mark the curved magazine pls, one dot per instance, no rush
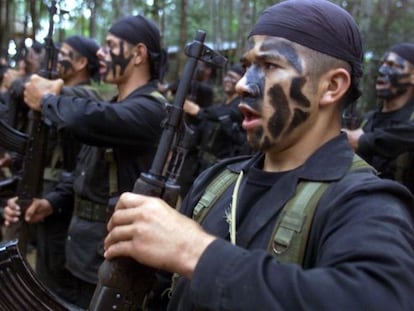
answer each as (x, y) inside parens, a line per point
(11, 139)
(19, 288)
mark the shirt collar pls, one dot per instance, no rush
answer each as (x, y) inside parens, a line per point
(330, 162)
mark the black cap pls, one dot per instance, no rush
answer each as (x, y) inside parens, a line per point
(404, 50)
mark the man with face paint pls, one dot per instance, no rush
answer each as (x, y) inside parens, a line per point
(386, 139)
(303, 65)
(120, 138)
(77, 61)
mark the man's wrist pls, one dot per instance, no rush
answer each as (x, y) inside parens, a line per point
(195, 252)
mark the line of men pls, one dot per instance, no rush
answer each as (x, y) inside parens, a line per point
(84, 178)
(302, 71)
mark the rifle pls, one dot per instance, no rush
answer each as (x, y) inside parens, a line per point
(350, 120)
(123, 283)
(31, 180)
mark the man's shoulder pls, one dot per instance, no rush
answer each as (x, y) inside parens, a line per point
(366, 184)
(148, 92)
(82, 90)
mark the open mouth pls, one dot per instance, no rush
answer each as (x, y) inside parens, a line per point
(382, 82)
(102, 68)
(252, 118)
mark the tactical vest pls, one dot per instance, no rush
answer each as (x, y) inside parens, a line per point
(292, 227)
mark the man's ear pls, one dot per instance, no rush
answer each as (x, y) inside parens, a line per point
(336, 83)
(140, 54)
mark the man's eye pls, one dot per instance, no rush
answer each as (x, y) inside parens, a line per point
(270, 66)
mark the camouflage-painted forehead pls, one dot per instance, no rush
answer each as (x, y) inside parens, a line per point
(398, 59)
(317, 24)
(274, 47)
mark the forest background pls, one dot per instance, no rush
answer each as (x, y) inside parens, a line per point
(226, 22)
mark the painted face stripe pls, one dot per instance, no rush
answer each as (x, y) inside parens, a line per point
(281, 114)
(296, 92)
(281, 49)
(299, 116)
(119, 60)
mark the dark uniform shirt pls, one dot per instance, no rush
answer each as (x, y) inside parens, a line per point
(131, 128)
(388, 143)
(359, 256)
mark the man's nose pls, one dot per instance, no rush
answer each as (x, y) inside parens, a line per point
(248, 89)
(101, 52)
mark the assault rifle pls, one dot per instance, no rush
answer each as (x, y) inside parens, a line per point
(124, 283)
(33, 146)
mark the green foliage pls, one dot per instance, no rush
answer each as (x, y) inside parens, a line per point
(382, 23)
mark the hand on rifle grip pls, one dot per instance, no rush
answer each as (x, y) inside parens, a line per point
(37, 211)
(153, 233)
(37, 87)
(11, 212)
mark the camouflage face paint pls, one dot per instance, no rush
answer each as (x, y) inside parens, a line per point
(275, 80)
(65, 61)
(118, 60)
(296, 92)
(258, 141)
(393, 72)
(285, 50)
(255, 82)
(300, 115)
(65, 65)
(279, 102)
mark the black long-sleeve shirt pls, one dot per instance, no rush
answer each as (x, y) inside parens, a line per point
(388, 135)
(131, 128)
(360, 253)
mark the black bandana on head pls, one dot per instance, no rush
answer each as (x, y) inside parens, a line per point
(317, 24)
(139, 29)
(404, 50)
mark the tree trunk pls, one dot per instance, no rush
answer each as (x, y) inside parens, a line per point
(182, 36)
(244, 25)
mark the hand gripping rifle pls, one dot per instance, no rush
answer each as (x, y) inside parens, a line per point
(34, 146)
(124, 283)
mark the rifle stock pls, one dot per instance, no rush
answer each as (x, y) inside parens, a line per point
(123, 283)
